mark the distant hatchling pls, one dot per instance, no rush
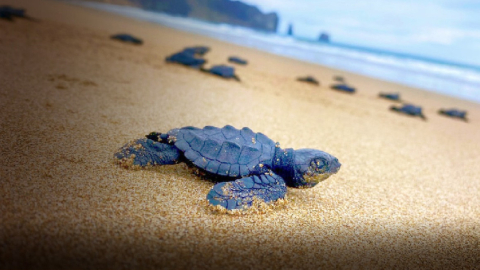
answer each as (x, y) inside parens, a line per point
(455, 113)
(247, 166)
(409, 109)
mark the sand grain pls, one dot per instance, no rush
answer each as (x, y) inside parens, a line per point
(405, 197)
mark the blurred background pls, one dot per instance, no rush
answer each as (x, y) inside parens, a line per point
(440, 29)
(428, 44)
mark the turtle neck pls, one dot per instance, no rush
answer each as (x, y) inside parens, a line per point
(284, 164)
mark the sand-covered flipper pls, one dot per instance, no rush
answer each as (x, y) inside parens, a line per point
(241, 193)
(146, 152)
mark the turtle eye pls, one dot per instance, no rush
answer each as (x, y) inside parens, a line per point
(319, 163)
(316, 167)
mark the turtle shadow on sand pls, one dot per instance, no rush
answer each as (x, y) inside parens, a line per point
(249, 167)
(410, 110)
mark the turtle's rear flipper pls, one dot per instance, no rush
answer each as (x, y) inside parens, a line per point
(146, 152)
(241, 193)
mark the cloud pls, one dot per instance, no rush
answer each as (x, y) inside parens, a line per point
(420, 27)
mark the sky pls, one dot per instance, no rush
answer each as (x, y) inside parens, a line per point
(439, 29)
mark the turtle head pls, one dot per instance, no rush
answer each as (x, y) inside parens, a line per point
(313, 166)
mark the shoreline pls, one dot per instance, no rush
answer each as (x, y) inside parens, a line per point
(406, 195)
(383, 72)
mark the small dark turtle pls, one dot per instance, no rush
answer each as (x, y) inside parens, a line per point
(8, 13)
(343, 88)
(200, 50)
(409, 109)
(222, 71)
(390, 96)
(186, 59)
(127, 38)
(5, 15)
(308, 79)
(251, 166)
(237, 60)
(455, 113)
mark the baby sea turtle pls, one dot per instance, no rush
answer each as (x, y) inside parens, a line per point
(338, 78)
(186, 58)
(309, 79)
(200, 50)
(237, 60)
(455, 113)
(222, 71)
(390, 96)
(8, 13)
(127, 38)
(250, 166)
(343, 88)
(409, 109)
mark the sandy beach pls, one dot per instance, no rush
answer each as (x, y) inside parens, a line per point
(406, 196)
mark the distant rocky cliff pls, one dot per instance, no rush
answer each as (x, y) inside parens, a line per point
(219, 11)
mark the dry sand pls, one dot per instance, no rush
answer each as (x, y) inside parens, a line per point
(406, 196)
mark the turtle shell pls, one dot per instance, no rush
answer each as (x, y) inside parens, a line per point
(225, 151)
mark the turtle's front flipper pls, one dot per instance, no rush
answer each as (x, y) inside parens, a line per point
(241, 193)
(146, 152)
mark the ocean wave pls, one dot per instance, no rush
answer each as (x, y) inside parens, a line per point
(430, 74)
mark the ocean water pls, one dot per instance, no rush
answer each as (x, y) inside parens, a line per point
(457, 80)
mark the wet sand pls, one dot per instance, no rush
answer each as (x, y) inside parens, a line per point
(405, 197)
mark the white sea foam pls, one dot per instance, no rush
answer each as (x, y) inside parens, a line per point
(447, 78)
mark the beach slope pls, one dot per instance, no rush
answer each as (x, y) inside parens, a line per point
(405, 197)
